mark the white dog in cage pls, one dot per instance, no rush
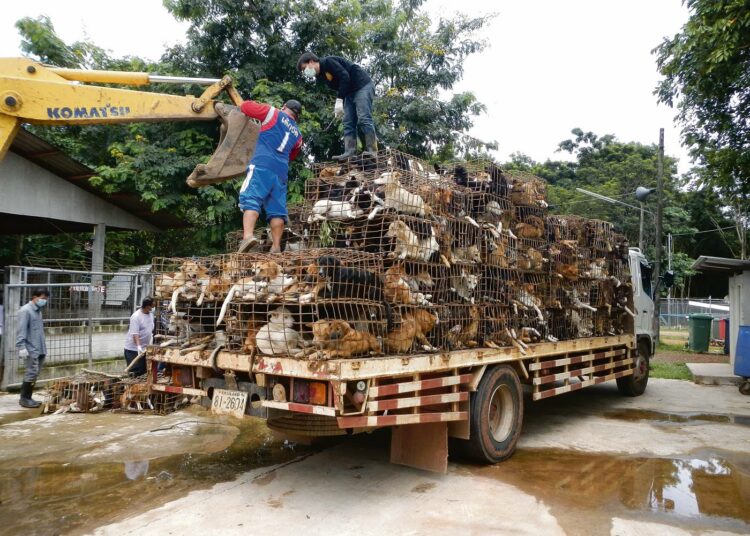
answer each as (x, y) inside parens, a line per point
(278, 337)
(399, 198)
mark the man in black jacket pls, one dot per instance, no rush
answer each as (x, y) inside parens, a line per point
(354, 94)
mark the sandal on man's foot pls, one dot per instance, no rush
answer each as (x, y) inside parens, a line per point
(247, 244)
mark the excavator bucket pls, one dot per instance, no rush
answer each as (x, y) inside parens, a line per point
(239, 134)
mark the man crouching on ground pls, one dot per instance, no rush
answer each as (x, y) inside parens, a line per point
(265, 185)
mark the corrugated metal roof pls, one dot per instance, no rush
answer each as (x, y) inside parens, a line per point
(720, 264)
(49, 157)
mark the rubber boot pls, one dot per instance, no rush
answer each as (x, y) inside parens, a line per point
(26, 401)
(371, 145)
(350, 149)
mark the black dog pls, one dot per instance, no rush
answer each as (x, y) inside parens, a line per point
(352, 283)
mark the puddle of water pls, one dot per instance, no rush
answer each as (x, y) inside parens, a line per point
(73, 496)
(710, 489)
(633, 415)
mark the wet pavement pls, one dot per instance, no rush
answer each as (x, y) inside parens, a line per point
(674, 461)
(706, 490)
(70, 473)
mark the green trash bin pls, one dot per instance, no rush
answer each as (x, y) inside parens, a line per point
(699, 332)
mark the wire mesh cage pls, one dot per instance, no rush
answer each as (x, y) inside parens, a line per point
(313, 331)
(496, 326)
(564, 228)
(461, 327)
(600, 235)
(400, 257)
(292, 237)
(414, 330)
(416, 283)
(569, 261)
(527, 190)
(134, 395)
(499, 247)
(85, 392)
(529, 223)
(532, 255)
(497, 285)
(464, 281)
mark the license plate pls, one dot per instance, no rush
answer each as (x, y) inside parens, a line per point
(227, 402)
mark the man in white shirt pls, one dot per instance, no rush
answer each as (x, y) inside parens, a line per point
(139, 335)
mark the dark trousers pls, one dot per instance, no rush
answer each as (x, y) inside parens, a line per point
(140, 368)
(358, 111)
(33, 368)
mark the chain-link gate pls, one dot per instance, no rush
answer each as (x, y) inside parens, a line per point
(85, 321)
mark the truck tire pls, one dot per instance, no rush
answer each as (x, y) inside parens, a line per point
(496, 416)
(635, 384)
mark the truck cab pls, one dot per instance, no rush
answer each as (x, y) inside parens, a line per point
(641, 278)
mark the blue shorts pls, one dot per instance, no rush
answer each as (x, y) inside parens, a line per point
(263, 188)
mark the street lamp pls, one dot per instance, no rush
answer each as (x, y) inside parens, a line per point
(641, 193)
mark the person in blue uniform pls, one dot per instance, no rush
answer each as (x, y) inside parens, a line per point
(265, 186)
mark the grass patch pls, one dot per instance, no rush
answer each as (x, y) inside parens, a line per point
(671, 347)
(670, 371)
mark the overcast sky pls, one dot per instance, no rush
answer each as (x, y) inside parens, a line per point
(550, 66)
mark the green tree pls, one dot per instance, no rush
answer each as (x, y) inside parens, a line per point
(413, 59)
(607, 166)
(706, 70)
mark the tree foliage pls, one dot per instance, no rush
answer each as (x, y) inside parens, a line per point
(706, 70)
(414, 59)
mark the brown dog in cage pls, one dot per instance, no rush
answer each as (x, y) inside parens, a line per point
(136, 397)
(399, 288)
(465, 336)
(469, 254)
(415, 325)
(337, 338)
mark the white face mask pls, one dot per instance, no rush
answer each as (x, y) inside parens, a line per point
(309, 73)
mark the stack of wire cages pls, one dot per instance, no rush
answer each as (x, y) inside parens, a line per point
(399, 257)
(292, 239)
(317, 303)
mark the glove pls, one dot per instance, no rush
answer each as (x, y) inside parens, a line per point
(140, 349)
(23, 353)
(338, 109)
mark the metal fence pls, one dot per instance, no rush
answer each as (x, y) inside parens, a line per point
(85, 321)
(675, 313)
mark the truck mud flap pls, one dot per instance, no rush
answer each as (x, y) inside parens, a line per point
(239, 135)
(422, 446)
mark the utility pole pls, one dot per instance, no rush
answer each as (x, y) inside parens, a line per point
(640, 232)
(657, 260)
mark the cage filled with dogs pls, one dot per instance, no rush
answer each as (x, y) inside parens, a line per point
(392, 256)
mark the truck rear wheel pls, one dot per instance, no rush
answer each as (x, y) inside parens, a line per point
(635, 384)
(496, 416)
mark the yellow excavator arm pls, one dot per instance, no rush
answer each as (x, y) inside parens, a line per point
(31, 92)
